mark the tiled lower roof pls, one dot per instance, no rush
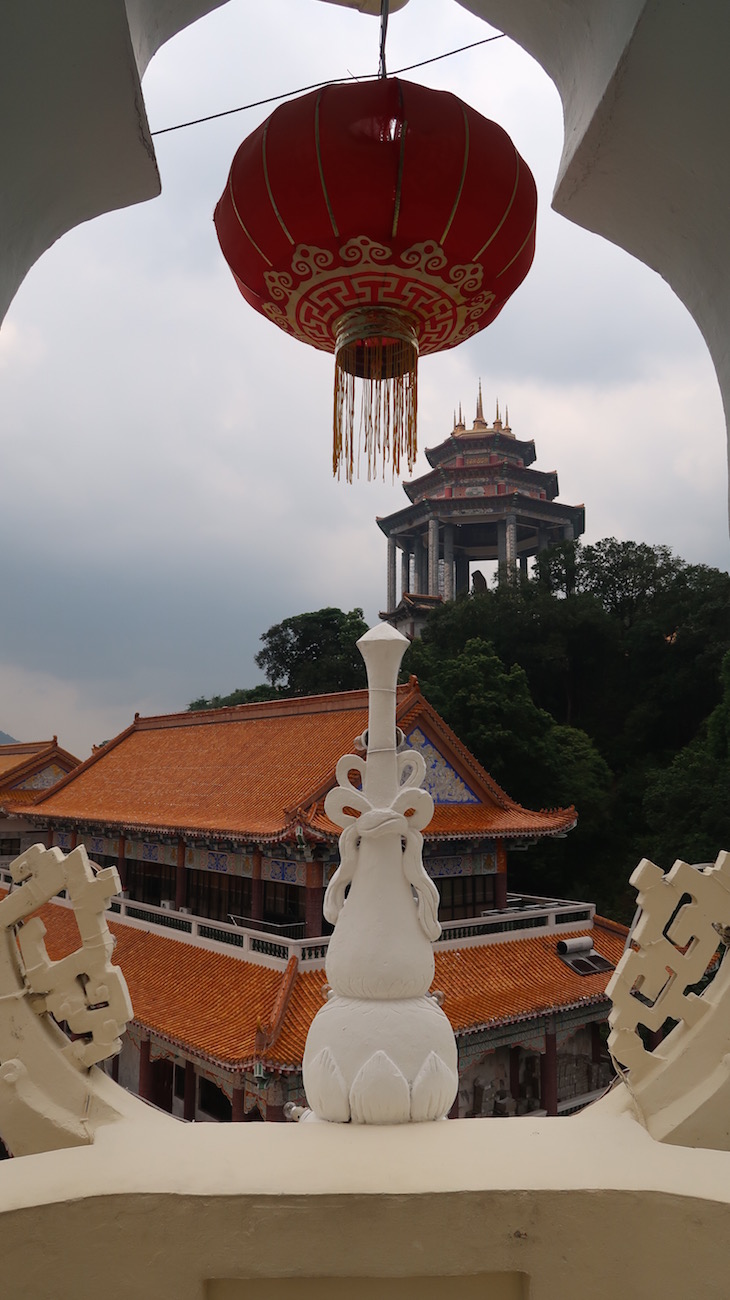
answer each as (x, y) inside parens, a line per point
(19, 798)
(211, 1005)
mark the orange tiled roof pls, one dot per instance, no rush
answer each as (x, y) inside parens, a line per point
(22, 760)
(206, 1001)
(17, 754)
(483, 986)
(256, 770)
(212, 1005)
(17, 797)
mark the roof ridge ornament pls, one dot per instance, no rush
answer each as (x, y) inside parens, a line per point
(381, 1050)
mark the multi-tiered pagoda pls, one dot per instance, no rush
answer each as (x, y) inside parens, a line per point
(481, 501)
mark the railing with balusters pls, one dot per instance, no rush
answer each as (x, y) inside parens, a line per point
(266, 946)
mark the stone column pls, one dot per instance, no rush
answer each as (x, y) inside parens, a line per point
(549, 1073)
(514, 1071)
(122, 861)
(189, 1095)
(390, 599)
(568, 533)
(523, 565)
(462, 574)
(313, 899)
(257, 888)
(418, 558)
(510, 540)
(433, 557)
(181, 877)
(500, 880)
(502, 549)
(237, 1100)
(448, 561)
(145, 1087)
(543, 540)
(405, 571)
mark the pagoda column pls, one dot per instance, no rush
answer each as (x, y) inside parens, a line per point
(390, 599)
(181, 874)
(189, 1093)
(501, 549)
(543, 540)
(418, 566)
(448, 561)
(500, 879)
(238, 1099)
(145, 1087)
(314, 896)
(433, 557)
(405, 571)
(462, 573)
(257, 887)
(510, 540)
(121, 860)
(523, 565)
(568, 532)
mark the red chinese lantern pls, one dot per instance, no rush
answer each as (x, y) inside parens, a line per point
(380, 221)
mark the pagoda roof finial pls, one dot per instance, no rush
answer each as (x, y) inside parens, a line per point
(506, 416)
(480, 408)
(496, 418)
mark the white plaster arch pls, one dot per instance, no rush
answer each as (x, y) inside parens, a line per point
(74, 137)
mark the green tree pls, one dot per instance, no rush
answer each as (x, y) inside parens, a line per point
(251, 695)
(535, 760)
(686, 806)
(311, 654)
(626, 576)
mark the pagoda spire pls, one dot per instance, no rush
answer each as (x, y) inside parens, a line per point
(496, 418)
(480, 408)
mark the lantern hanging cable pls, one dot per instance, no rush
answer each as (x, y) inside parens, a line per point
(383, 34)
(318, 85)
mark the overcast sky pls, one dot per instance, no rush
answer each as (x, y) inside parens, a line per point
(167, 490)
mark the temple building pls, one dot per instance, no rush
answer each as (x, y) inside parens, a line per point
(221, 812)
(26, 769)
(215, 821)
(481, 501)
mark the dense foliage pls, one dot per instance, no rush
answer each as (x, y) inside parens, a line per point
(604, 682)
(621, 646)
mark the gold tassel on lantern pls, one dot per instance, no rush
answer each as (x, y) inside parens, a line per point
(378, 346)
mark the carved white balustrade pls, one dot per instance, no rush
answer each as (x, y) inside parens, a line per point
(51, 1093)
(681, 1089)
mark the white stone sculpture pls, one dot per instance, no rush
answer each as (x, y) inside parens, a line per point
(381, 1050)
(681, 1089)
(51, 1094)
